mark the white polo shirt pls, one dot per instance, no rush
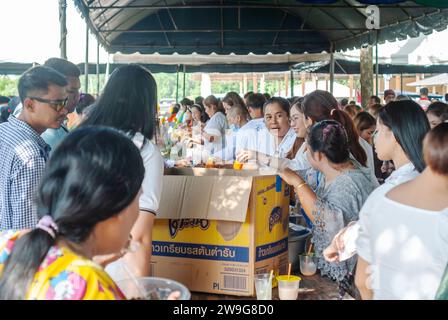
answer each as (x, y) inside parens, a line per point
(153, 180)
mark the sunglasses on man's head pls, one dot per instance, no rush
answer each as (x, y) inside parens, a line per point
(56, 105)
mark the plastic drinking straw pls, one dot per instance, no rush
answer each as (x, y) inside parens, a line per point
(309, 250)
(270, 280)
(140, 288)
(289, 270)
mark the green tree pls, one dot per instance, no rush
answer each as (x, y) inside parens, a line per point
(8, 86)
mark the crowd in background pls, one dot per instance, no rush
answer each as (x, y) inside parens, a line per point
(81, 180)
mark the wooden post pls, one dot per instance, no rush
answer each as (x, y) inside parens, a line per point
(292, 83)
(245, 83)
(255, 82)
(262, 84)
(286, 84)
(303, 80)
(366, 66)
(350, 84)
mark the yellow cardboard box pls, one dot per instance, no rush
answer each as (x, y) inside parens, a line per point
(217, 228)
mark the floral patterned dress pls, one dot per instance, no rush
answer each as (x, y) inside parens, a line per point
(63, 275)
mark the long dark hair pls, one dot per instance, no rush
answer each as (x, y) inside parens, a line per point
(128, 102)
(330, 138)
(93, 175)
(409, 124)
(204, 115)
(320, 105)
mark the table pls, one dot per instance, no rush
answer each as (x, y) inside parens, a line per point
(313, 287)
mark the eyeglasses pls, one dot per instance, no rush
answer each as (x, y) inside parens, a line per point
(56, 105)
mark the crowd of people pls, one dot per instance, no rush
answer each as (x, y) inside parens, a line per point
(81, 180)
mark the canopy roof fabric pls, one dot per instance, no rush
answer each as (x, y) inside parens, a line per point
(353, 67)
(260, 27)
(438, 80)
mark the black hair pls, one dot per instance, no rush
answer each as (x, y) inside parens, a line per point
(376, 99)
(344, 102)
(409, 124)
(435, 149)
(321, 105)
(63, 66)
(329, 137)
(402, 97)
(232, 98)
(424, 91)
(4, 99)
(363, 121)
(5, 112)
(39, 78)
(93, 175)
(198, 100)
(211, 100)
(128, 102)
(298, 103)
(318, 104)
(267, 96)
(176, 108)
(282, 102)
(85, 100)
(186, 102)
(437, 108)
(204, 115)
(255, 100)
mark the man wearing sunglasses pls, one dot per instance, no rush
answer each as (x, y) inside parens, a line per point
(71, 72)
(23, 151)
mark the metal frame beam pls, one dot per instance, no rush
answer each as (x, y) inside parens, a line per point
(250, 6)
(231, 30)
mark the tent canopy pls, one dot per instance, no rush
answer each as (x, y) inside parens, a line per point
(438, 80)
(260, 27)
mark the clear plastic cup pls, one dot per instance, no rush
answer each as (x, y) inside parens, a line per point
(288, 287)
(263, 286)
(308, 265)
(152, 288)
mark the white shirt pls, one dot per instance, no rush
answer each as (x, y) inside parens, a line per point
(232, 138)
(407, 247)
(153, 180)
(403, 174)
(263, 141)
(250, 129)
(150, 198)
(216, 126)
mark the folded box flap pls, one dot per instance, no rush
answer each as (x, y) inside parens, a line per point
(208, 197)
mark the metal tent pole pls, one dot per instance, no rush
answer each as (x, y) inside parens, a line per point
(177, 84)
(63, 27)
(98, 67)
(86, 63)
(184, 89)
(376, 64)
(292, 83)
(331, 68)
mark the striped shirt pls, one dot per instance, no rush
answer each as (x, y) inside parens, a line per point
(23, 156)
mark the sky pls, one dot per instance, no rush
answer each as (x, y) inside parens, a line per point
(30, 32)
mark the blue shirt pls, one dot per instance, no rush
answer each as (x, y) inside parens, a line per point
(22, 162)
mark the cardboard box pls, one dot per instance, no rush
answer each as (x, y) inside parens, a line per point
(217, 228)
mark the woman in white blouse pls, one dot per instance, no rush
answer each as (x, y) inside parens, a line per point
(403, 239)
(128, 103)
(276, 139)
(215, 129)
